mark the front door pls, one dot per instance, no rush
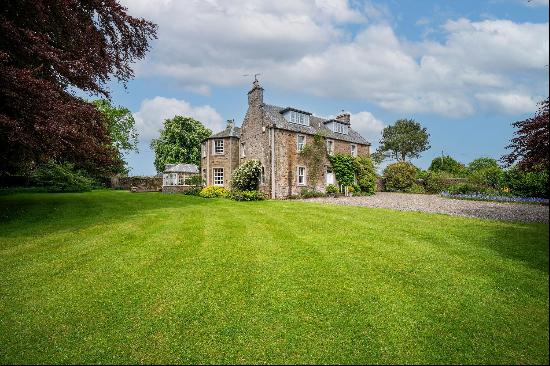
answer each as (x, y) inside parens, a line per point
(330, 177)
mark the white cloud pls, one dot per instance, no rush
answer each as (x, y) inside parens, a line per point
(368, 126)
(510, 103)
(152, 113)
(305, 45)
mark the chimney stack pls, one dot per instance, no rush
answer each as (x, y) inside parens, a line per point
(256, 95)
(344, 117)
(230, 123)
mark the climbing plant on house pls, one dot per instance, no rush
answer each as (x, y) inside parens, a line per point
(314, 156)
(343, 166)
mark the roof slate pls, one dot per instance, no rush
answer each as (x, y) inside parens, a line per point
(181, 168)
(316, 124)
(230, 131)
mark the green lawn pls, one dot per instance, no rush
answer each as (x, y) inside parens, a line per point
(116, 277)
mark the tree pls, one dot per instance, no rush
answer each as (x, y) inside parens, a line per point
(120, 125)
(530, 147)
(49, 49)
(447, 164)
(179, 142)
(481, 164)
(404, 140)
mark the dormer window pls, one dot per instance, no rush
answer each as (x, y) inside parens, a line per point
(340, 128)
(296, 116)
(299, 118)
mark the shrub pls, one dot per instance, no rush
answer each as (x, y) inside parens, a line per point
(436, 182)
(246, 195)
(62, 177)
(415, 188)
(213, 192)
(343, 166)
(490, 177)
(365, 175)
(525, 184)
(331, 189)
(310, 193)
(247, 176)
(194, 180)
(449, 165)
(463, 188)
(195, 191)
(400, 176)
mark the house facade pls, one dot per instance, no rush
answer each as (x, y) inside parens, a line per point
(275, 136)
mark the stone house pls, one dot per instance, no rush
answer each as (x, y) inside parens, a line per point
(275, 136)
(174, 177)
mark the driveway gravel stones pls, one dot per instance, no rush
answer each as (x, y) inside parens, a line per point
(438, 204)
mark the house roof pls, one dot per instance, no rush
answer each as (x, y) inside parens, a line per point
(181, 168)
(230, 131)
(316, 124)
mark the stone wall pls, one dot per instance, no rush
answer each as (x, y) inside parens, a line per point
(176, 189)
(143, 184)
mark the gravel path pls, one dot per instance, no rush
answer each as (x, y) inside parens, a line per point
(438, 204)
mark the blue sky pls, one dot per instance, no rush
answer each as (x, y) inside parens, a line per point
(464, 69)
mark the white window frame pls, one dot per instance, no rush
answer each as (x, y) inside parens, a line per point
(216, 178)
(219, 143)
(170, 179)
(203, 149)
(330, 147)
(353, 150)
(329, 171)
(243, 152)
(298, 118)
(300, 146)
(302, 176)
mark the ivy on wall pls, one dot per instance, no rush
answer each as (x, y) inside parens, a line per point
(314, 156)
(344, 168)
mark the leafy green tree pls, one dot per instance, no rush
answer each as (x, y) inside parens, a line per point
(247, 176)
(449, 165)
(404, 140)
(400, 177)
(179, 142)
(481, 164)
(120, 125)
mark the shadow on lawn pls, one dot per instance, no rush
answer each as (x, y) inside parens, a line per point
(24, 214)
(527, 243)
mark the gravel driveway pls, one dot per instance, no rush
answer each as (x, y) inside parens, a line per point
(438, 204)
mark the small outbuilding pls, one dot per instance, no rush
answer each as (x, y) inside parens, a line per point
(175, 177)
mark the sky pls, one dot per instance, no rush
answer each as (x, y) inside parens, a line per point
(464, 69)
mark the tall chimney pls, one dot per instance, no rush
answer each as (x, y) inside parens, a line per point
(230, 123)
(344, 117)
(256, 95)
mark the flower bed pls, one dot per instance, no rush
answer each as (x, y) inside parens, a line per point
(486, 197)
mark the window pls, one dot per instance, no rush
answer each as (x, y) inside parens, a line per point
(340, 128)
(203, 149)
(330, 147)
(181, 179)
(301, 176)
(262, 177)
(218, 176)
(204, 174)
(218, 147)
(353, 150)
(299, 118)
(243, 153)
(301, 142)
(170, 179)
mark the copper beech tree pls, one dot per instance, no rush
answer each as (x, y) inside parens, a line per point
(48, 50)
(530, 147)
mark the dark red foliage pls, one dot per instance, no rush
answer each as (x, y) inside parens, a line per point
(48, 48)
(530, 147)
